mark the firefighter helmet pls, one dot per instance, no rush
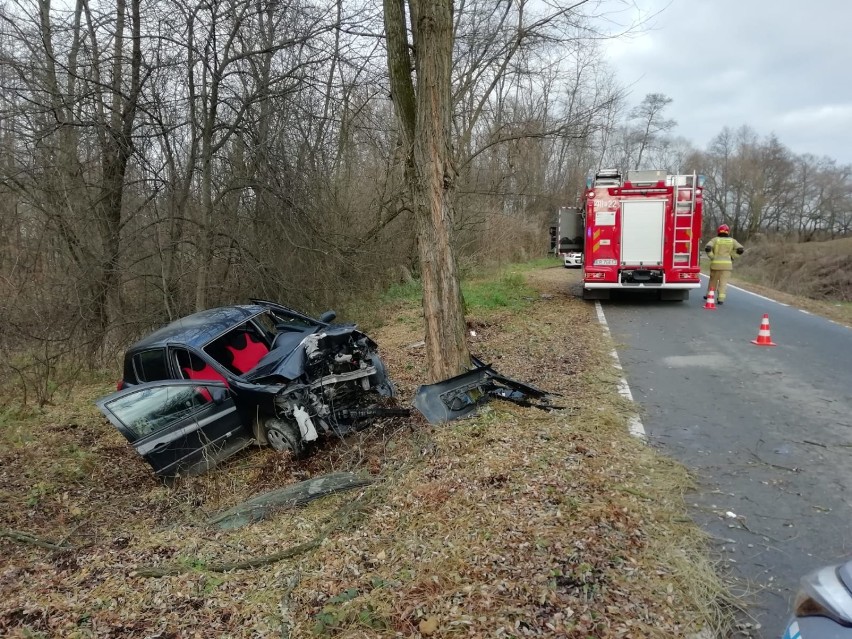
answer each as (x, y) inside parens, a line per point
(724, 229)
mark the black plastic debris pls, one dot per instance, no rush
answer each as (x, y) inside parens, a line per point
(461, 395)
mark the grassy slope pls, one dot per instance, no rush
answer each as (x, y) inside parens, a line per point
(516, 523)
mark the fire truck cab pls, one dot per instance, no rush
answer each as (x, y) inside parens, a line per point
(642, 233)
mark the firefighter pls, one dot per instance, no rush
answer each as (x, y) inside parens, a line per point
(722, 250)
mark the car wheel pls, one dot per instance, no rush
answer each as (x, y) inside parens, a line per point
(283, 436)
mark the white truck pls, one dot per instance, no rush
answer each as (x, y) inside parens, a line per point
(567, 236)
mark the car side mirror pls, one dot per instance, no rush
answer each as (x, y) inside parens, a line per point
(327, 317)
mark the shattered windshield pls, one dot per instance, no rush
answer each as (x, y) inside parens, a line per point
(266, 322)
(284, 321)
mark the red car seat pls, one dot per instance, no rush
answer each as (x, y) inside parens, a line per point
(246, 352)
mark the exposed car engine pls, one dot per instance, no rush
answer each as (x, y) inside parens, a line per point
(342, 381)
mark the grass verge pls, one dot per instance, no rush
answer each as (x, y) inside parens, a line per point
(515, 523)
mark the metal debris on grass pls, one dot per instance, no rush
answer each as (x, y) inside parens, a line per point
(460, 396)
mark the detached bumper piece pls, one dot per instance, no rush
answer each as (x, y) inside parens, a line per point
(461, 395)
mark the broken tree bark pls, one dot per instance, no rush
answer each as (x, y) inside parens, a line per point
(424, 113)
(26, 538)
(236, 565)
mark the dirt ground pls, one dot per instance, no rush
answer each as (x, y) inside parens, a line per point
(517, 523)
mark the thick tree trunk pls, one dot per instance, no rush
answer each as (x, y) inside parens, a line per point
(424, 117)
(399, 67)
(204, 240)
(435, 180)
(106, 299)
(205, 228)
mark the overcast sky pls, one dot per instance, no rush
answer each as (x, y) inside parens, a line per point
(782, 66)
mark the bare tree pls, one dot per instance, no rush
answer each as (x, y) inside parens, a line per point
(650, 122)
(759, 185)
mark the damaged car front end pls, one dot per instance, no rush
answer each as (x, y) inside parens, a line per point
(328, 385)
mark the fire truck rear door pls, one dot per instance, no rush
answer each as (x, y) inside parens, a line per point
(642, 223)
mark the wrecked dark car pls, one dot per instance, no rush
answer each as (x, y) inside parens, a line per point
(201, 388)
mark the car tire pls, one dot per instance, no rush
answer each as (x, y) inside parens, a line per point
(284, 436)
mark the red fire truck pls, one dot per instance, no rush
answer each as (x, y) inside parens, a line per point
(642, 233)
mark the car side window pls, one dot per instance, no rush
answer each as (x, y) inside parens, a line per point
(151, 409)
(240, 349)
(191, 366)
(151, 365)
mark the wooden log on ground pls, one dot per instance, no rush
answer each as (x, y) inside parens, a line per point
(345, 515)
(27, 538)
(260, 506)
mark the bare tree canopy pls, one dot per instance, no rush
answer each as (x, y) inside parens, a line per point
(164, 156)
(649, 122)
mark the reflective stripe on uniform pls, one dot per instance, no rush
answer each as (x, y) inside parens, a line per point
(722, 249)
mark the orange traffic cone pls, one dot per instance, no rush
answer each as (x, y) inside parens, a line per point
(710, 304)
(763, 336)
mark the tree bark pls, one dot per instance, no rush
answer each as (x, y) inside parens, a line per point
(446, 346)
(424, 116)
(116, 150)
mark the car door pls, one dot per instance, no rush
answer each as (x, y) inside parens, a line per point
(176, 424)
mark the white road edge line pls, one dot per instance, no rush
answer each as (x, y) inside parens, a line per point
(768, 299)
(635, 426)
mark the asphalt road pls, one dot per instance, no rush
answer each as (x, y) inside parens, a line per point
(767, 432)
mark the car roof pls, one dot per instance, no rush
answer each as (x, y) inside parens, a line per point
(198, 329)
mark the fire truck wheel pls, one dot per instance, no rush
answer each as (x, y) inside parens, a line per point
(674, 296)
(595, 294)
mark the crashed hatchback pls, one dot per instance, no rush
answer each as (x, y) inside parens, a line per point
(201, 388)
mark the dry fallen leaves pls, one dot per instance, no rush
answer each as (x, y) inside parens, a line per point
(428, 626)
(517, 523)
